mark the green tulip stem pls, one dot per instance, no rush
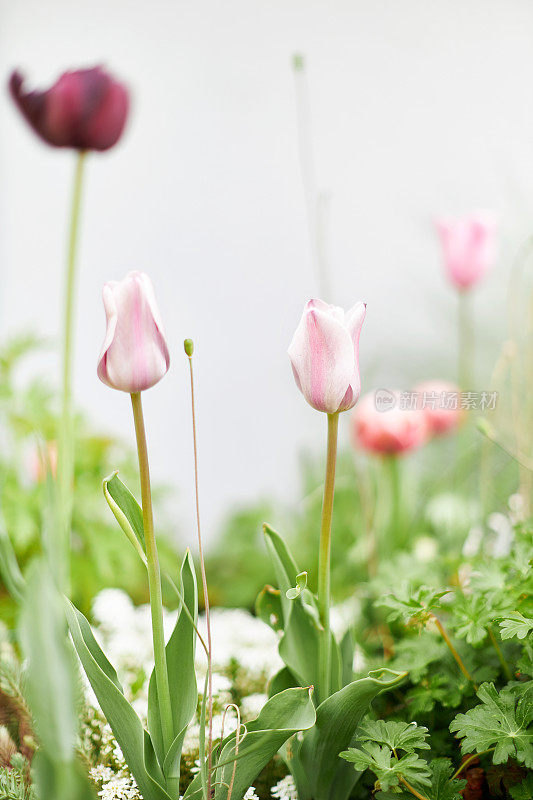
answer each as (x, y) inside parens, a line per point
(396, 520)
(154, 578)
(61, 556)
(465, 341)
(324, 558)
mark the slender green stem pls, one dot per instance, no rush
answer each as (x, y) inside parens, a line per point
(66, 431)
(396, 526)
(443, 632)
(154, 577)
(204, 589)
(501, 657)
(324, 558)
(412, 789)
(465, 341)
(469, 760)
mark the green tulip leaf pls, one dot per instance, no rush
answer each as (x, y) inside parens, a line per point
(268, 608)
(180, 652)
(9, 568)
(337, 719)
(299, 646)
(127, 512)
(50, 680)
(281, 717)
(127, 728)
(301, 584)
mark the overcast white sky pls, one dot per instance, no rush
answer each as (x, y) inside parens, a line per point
(418, 108)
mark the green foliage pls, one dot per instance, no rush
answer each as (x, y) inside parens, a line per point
(515, 624)
(29, 423)
(388, 749)
(524, 790)
(442, 785)
(51, 691)
(412, 606)
(396, 735)
(388, 769)
(14, 784)
(500, 722)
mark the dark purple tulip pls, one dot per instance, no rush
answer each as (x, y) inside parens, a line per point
(85, 109)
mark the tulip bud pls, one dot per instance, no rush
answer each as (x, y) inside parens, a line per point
(134, 355)
(324, 353)
(393, 431)
(85, 109)
(439, 400)
(469, 247)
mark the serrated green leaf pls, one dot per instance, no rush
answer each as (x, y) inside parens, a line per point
(442, 785)
(388, 769)
(500, 722)
(515, 624)
(395, 734)
(412, 606)
(472, 616)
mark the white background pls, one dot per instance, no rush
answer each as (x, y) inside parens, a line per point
(418, 108)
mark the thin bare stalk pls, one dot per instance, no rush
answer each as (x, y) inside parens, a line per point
(501, 657)
(453, 651)
(237, 742)
(189, 349)
(469, 761)
(412, 789)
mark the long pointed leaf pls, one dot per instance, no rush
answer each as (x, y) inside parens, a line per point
(9, 568)
(180, 652)
(336, 721)
(300, 644)
(126, 510)
(281, 717)
(127, 728)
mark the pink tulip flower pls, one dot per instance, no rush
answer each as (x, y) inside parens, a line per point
(324, 354)
(134, 355)
(469, 247)
(393, 431)
(85, 109)
(440, 402)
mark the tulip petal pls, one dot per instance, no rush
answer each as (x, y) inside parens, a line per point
(135, 355)
(323, 358)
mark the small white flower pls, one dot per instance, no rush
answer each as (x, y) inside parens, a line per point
(250, 794)
(285, 789)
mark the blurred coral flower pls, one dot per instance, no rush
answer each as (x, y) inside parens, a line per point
(390, 432)
(439, 401)
(85, 109)
(134, 355)
(469, 247)
(324, 354)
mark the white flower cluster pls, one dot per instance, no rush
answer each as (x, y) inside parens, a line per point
(285, 789)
